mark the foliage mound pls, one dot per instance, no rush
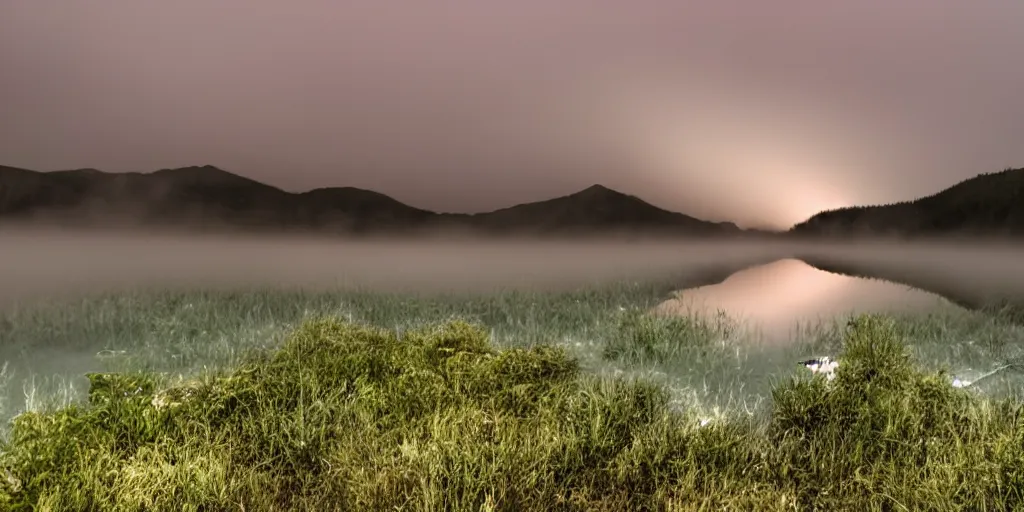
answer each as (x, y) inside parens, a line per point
(348, 417)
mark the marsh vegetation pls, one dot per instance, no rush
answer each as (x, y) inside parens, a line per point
(577, 398)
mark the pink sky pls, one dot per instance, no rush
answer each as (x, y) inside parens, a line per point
(756, 112)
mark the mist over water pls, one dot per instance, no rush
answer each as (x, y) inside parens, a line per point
(761, 283)
(43, 264)
(50, 264)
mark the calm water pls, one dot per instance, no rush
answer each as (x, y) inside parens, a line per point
(777, 297)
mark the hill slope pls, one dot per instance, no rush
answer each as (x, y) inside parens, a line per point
(208, 197)
(988, 204)
(190, 197)
(596, 207)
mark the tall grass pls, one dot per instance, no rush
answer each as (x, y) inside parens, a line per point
(704, 361)
(345, 416)
(50, 345)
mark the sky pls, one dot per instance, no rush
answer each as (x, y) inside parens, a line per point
(761, 113)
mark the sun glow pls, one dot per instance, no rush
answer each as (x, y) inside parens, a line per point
(767, 162)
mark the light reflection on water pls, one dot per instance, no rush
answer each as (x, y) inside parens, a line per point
(774, 299)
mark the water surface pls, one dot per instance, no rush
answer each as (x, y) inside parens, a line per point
(774, 299)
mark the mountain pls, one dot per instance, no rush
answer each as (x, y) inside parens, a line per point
(596, 207)
(362, 210)
(173, 196)
(989, 204)
(207, 197)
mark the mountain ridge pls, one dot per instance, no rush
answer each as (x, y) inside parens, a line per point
(209, 197)
(989, 204)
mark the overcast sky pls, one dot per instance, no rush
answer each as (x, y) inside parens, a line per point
(760, 112)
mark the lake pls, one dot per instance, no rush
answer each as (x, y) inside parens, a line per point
(777, 297)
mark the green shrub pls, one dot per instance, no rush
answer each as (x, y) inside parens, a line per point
(348, 417)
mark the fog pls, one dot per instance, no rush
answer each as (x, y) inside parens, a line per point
(48, 264)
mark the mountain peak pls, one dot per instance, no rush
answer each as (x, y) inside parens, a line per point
(599, 192)
(598, 188)
(207, 175)
(200, 169)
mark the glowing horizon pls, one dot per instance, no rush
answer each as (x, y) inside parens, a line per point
(755, 113)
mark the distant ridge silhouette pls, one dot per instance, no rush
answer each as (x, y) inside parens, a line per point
(990, 204)
(206, 197)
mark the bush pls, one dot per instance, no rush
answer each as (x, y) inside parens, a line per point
(356, 418)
